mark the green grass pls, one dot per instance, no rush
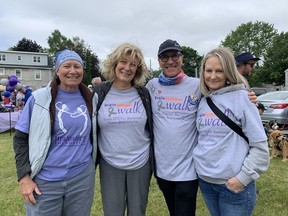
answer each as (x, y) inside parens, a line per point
(272, 199)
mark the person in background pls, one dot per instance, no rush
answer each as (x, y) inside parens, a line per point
(175, 98)
(26, 91)
(125, 133)
(90, 87)
(267, 128)
(95, 81)
(55, 143)
(19, 97)
(261, 108)
(245, 63)
(226, 164)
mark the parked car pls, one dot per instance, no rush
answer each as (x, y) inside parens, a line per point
(261, 90)
(276, 105)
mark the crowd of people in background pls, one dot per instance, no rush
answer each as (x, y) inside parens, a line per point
(16, 99)
(133, 129)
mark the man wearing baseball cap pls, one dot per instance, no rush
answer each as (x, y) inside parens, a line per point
(245, 63)
(174, 100)
(261, 108)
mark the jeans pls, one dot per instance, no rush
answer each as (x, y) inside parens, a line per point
(180, 196)
(221, 201)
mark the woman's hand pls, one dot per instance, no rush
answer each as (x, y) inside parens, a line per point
(234, 184)
(27, 187)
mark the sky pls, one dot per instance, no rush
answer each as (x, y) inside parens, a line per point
(106, 24)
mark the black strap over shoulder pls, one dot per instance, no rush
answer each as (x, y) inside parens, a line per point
(225, 119)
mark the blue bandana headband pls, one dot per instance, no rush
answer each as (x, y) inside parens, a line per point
(66, 55)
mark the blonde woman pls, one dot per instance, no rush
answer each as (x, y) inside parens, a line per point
(226, 164)
(125, 132)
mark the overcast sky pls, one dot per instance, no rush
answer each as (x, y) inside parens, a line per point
(106, 24)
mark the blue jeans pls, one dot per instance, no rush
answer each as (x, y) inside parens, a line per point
(221, 201)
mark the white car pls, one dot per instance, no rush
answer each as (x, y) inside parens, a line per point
(276, 105)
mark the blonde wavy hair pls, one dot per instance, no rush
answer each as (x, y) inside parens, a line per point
(119, 53)
(228, 63)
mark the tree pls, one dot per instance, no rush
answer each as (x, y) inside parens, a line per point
(191, 61)
(276, 61)
(251, 37)
(58, 42)
(88, 67)
(256, 38)
(27, 45)
(156, 73)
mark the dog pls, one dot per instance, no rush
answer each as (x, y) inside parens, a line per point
(279, 144)
(272, 124)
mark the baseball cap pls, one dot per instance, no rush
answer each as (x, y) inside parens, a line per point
(260, 106)
(245, 57)
(169, 45)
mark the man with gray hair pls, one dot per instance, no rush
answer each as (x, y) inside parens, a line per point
(95, 81)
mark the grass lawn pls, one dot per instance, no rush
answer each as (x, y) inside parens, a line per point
(272, 199)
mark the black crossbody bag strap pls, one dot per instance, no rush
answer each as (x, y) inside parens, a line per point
(225, 119)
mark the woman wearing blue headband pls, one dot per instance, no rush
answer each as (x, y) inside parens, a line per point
(55, 146)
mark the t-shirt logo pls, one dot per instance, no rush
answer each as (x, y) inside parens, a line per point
(193, 99)
(80, 111)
